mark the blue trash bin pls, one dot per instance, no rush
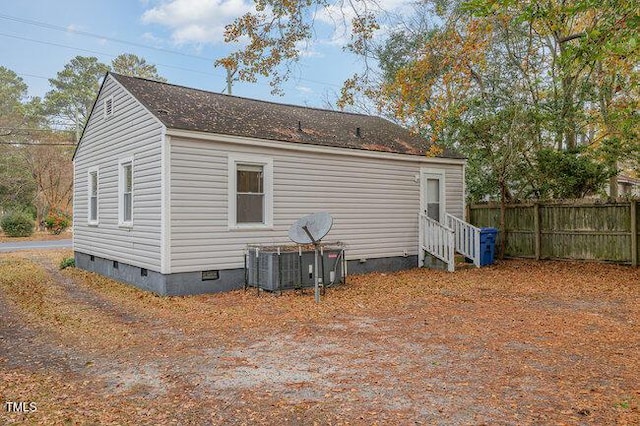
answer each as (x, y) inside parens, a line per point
(488, 238)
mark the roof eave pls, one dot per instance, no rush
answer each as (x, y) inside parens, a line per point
(306, 147)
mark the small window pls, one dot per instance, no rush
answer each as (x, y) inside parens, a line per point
(143, 272)
(116, 265)
(432, 196)
(93, 196)
(125, 196)
(108, 107)
(92, 258)
(250, 192)
(433, 199)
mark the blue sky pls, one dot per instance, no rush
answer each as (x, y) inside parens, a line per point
(38, 37)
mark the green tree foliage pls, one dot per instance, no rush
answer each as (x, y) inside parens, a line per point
(12, 91)
(17, 186)
(551, 58)
(33, 173)
(17, 224)
(15, 109)
(569, 174)
(135, 66)
(74, 90)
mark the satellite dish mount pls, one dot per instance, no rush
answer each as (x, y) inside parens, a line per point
(311, 230)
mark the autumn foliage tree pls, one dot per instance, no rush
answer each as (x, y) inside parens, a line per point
(481, 76)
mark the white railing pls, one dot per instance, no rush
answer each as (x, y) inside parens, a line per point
(437, 240)
(467, 238)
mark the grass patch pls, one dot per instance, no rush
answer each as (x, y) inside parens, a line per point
(68, 262)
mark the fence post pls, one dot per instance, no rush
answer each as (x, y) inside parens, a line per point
(633, 210)
(536, 230)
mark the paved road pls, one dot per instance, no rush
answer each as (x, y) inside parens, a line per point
(28, 245)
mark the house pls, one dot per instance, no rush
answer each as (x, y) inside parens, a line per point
(172, 183)
(628, 186)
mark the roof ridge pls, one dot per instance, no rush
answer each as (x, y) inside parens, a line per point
(243, 97)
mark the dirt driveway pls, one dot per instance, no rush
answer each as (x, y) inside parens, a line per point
(518, 343)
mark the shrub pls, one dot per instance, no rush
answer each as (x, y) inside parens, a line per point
(17, 224)
(68, 262)
(57, 222)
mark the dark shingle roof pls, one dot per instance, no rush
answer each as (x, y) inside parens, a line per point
(185, 108)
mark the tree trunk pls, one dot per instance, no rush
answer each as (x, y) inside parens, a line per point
(503, 209)
(613, 187)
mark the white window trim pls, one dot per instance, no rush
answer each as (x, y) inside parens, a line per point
(92, 170)
(267, 164)
(104, 107)
(429, 172)
(121, 164)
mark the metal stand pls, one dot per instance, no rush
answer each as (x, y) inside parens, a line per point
(282, 268)
(316, 276)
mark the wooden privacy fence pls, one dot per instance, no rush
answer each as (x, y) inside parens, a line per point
(565, 230)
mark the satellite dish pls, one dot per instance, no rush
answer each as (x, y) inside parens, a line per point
(311, 229)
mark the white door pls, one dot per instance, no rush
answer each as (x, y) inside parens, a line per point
(432, 197)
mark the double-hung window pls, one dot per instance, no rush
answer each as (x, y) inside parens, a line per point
(125, 193)
(92, 195)
(250, 192)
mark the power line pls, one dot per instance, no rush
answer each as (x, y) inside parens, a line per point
(22, 74)
(38, 143)
(114, 56)
(99, 53)
(98, 36)
(102, 37)
(33, 129)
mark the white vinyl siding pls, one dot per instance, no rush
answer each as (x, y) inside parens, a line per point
(131, 131)
(374, 202)
(92, 195)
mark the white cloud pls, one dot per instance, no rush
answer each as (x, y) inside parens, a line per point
(304, 89)
(196, 21)
(306, 50)
(152, 39)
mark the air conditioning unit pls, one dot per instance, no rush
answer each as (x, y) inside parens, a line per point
(277, 268)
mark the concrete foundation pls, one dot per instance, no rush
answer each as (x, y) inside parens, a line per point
(383, 264)
(433, 262)
(179, 284)
(188, 283)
